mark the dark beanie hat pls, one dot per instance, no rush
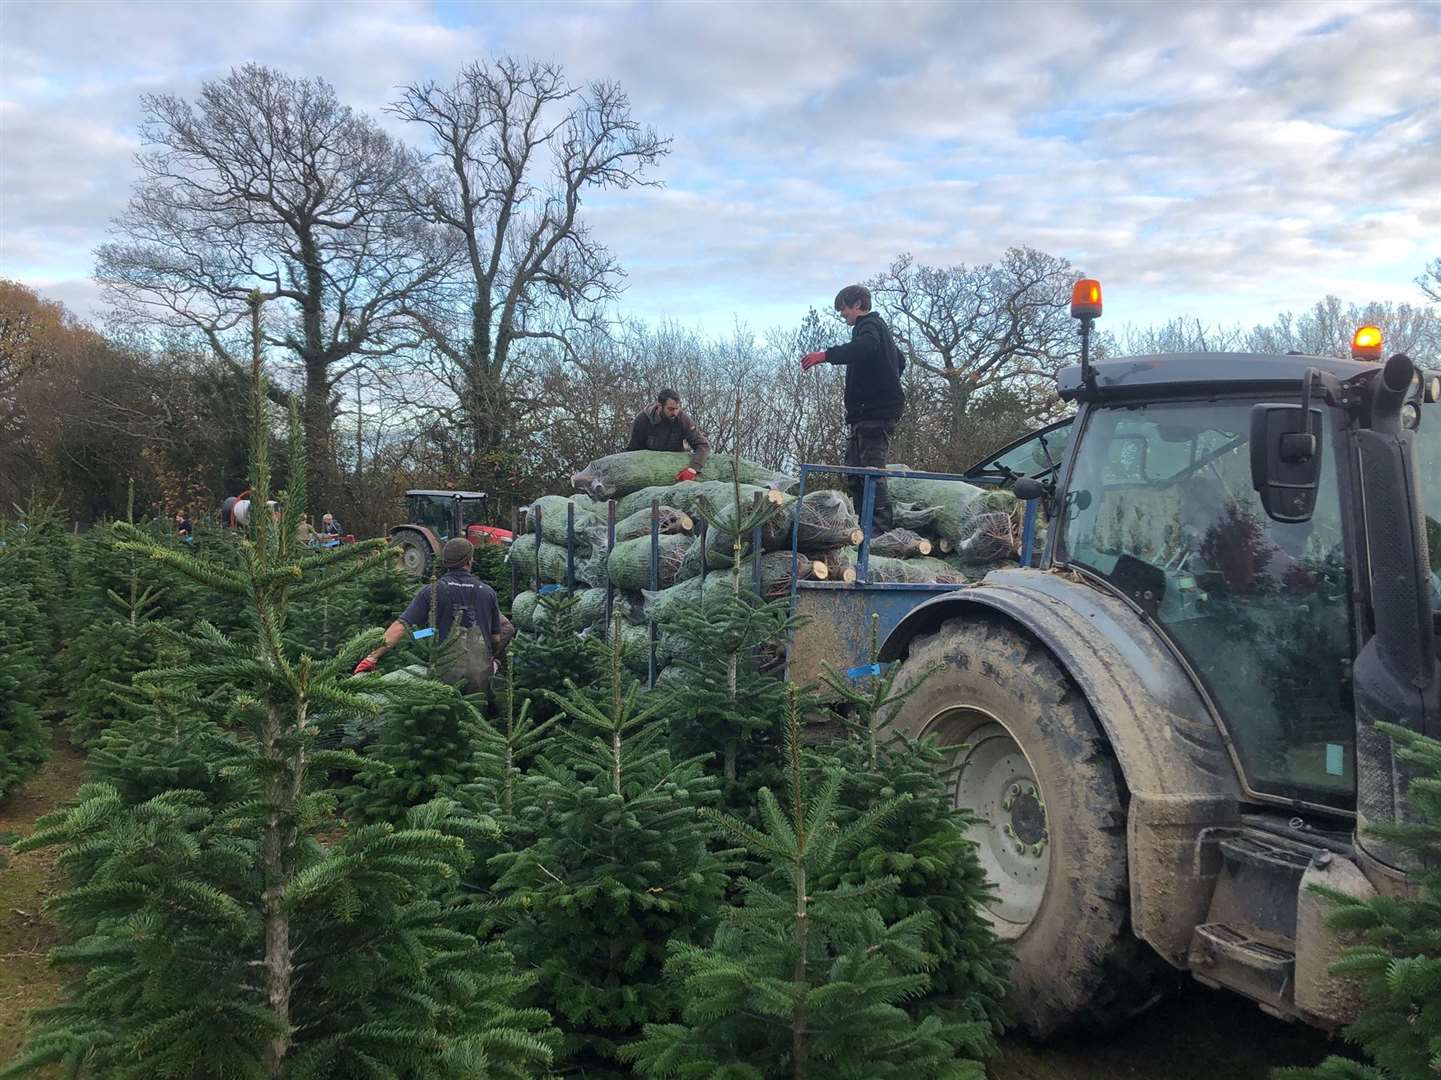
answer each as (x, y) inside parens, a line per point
(457, 552)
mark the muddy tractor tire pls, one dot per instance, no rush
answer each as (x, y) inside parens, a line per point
(1049, 803)
(412, 552)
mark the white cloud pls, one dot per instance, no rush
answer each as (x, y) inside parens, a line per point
(1217, 151)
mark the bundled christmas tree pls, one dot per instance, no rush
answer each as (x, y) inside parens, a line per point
(808, 981)
(923, 846)
(226, 938)
(1399, 955)
(620, 866)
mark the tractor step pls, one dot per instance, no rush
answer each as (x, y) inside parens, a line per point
(1225, 956)
(1248, 941)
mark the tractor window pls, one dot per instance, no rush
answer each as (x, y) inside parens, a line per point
(1038, 454)
(1161, 504)
(433, 512)
(1428, 464)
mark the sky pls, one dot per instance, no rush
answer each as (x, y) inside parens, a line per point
(1224, 161)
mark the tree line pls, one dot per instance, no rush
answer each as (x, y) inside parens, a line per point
(442, 314)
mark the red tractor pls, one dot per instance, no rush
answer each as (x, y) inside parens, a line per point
(433, 517)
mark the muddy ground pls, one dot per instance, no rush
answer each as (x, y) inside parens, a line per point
(1198, 1035)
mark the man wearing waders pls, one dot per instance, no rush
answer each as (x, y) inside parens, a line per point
(464, 602)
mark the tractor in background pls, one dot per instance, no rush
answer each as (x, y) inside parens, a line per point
(435, 516)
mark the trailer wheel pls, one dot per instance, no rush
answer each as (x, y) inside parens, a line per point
(1050, 827)
(412, 552)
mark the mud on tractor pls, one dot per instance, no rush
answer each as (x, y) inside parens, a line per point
(1167, 720)
(432, 518)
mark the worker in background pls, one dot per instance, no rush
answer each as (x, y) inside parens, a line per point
(464, 603)
(663, 426)
(182, 524)
(305, 532)
(874, 398)
(329, 526)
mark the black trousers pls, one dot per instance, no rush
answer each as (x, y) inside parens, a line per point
(867, 446)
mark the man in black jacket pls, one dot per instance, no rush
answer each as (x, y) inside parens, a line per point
(874, 398)
(664, 426)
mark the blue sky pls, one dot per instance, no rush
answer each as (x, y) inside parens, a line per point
(1226, 161)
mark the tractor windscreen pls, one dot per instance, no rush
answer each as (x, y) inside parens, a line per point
(1428, 465)
(1161, 505)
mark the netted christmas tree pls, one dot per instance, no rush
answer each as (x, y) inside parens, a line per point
(923, 846)
(1398, 958)
(620, 865)
(229, 938)
(808, 981)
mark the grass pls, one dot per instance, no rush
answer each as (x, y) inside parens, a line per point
(26, 881)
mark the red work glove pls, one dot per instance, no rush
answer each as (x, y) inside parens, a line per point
(686, 474)
(368, 664)
(811, 359)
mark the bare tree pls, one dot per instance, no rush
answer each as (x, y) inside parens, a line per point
(982, 328)
(269, 183)
(1181, 334)
(515, 150)
(1326, 327)
(1430, 281)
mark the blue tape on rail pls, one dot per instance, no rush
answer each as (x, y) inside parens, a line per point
(544, 589)
(418, 634)
(863, 670)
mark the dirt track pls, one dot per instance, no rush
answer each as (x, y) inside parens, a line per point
(1199, 1035)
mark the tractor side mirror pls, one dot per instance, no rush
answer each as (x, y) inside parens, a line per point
(1286, 459)
(1026, 488)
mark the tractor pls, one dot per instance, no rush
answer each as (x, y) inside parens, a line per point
(1166, 722)
(432, 518)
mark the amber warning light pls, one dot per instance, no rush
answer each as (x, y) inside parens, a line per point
(1086, 299)
(1365, 343)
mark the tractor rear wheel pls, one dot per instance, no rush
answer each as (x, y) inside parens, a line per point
(413, 553)
(1050, 820)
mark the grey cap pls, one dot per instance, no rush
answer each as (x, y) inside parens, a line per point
(457, 552)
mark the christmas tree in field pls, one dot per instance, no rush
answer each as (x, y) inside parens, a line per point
(620, 865)
(1399, 955)
(24, 737)
(808, 981)
(923, 845)
(725, 700)
(228, 931)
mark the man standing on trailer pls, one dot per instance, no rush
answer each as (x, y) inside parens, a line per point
(663, 426)
(874, 398)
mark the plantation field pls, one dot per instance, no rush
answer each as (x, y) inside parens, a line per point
(1199, 1035)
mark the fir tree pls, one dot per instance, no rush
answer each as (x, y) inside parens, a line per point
(227, 939)
(426, 750)
(554, 654)
(808, 981)
(24, 738)
(1399, 955)
(620, 865)
(726, 701)
(923, 845)
(116, 644)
